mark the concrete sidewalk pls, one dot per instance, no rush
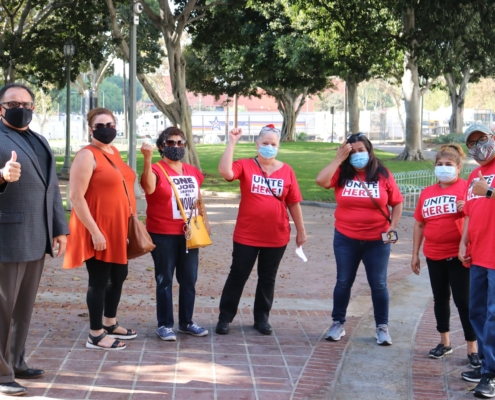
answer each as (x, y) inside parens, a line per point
(294, 363)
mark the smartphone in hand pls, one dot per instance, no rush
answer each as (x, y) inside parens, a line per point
(390, 237)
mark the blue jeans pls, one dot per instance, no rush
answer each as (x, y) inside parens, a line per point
(169, 255)
(482, 314)
(348, 254)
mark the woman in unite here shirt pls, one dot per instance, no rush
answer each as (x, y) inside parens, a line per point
(359, 224)
(268, 188)
(437, 213)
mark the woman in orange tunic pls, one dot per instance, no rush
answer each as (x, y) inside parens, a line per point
(98, 226)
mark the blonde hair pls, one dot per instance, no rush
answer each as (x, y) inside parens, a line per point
(92, 114)
(452, 151)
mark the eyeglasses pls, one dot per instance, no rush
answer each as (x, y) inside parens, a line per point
(17, 104)
(357, 135)
(482, 140)
(107, 125)
(270, 129)
(173, 143)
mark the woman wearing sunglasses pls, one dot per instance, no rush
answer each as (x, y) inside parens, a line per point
(166, 227)
(98, 227)
(438, 213)
(364, 228)
(268, 188)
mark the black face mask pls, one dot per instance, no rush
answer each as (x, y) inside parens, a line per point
(18, 117)
(174, 153)
(105, 135)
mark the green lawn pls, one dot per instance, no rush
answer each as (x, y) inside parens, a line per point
(306, 158)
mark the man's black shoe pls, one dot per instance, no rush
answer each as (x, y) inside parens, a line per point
(472, 376)
(29, 373)
(222, 328)
(12, 389)
(485, 387)
(263, 327)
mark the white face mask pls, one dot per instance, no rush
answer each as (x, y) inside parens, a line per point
(445, 173)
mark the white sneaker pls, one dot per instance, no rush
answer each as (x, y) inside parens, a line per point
(335, 332)
(382, 336)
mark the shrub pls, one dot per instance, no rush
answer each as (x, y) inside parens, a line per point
(301, 137)
(450, 138)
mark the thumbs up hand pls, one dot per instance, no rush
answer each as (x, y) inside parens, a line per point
(481, 186)
(11, 172)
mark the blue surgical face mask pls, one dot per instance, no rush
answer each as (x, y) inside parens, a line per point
(445, 173)
(267, 151)
(360, 160)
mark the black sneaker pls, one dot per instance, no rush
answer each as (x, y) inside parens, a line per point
(472, 376)
(474, 360)
(485, 387)
(440, 351)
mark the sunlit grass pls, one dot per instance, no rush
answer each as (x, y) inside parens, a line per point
(306, 158)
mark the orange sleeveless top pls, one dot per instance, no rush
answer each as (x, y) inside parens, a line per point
(108, 204)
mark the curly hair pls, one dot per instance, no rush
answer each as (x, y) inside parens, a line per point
(164, 135)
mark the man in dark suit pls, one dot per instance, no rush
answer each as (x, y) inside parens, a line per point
(32, 223)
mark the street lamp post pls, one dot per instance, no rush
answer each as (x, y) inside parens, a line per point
(136, 9)
(69, 50)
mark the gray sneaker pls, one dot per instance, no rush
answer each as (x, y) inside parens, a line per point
(382, 336)
(335, 332)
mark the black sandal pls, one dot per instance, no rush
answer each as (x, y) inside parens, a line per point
(127, 336)
(97, 339)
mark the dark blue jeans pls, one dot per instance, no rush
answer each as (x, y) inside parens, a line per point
(482, 314)
(348, 254)
(169, 255)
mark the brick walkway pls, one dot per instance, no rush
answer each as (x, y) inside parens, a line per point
(294, 363)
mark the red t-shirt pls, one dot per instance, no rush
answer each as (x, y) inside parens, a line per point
(163, 214)
(263, 220)
(356, 216)
(481, 212)
(437, 208)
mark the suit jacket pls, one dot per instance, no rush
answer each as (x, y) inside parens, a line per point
(31, 210)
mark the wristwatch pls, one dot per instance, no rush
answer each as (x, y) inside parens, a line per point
(489, 192)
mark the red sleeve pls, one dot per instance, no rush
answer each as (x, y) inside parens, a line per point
(418, 213)
(335, 179)
(237, 168)
(294, 193)
(199, 176)
(394, 195)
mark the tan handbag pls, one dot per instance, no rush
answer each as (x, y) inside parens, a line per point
(194, 228)
(139, 241)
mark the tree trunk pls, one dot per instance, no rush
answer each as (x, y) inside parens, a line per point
(177, 68)
(457, 98)
(178, 112)
(289, 104)
(412, 96)
(353, 103)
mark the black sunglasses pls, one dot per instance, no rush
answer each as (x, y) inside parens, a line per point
(357, 135)
(16, 104)
(173, 143)
(107, 125)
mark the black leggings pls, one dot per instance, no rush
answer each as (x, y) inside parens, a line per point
(104, 290)
(243, 259)
(445, 275)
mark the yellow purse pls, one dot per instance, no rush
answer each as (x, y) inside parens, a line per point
(194, 228)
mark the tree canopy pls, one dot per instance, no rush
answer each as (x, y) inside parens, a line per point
(258, 48)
